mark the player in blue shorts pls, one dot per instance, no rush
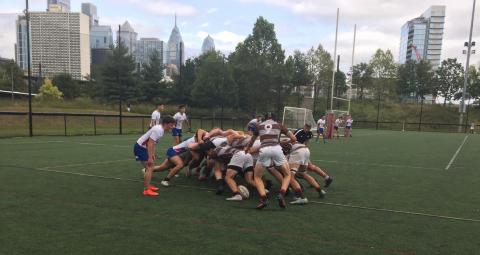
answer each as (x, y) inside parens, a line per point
(321, 129)
(144, 151)
(252, 125)
(179, 117)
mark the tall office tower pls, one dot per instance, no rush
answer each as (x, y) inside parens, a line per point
(208, 45)
(128, 36)
(175, 48)
(145, 48)
(58, 5)
(91, 11)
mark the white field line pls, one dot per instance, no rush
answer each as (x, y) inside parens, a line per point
(102, 144)
(86, 164)
(374, 164)
(316, 202)
(21, 143)
(456, 153)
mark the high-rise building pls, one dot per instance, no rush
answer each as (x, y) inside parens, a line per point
(101, 37)
(91, 11)
(21, 44)
(59, 44)
(175, 48)
(422, 37)
(145, 48)
(208, 45)
(128, 36)
(58, 5)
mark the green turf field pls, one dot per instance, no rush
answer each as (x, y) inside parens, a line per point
(391, 195)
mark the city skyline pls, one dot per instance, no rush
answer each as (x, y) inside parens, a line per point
(299, 24)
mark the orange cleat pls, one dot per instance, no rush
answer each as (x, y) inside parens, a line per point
(149, 192)
(153, 188)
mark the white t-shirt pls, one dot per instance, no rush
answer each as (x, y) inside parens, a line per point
(338, 122)
(156, 117)
(349, 122)
(321, 123)
(184, 144)
(472, 126)
(180, 118)
(154, 133)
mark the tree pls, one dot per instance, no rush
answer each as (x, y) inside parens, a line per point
(297, 71)
(8, 71)
(424, 84)
(415, 78)
(340, 83)
(214, 85)
(320, 66)
(118, 76)
(67, 85)
(362, 77)
(48, 91)
(152, 76)
(474, 84)
(448, 79)
(384, 70)
(183, 82)
(258, 69)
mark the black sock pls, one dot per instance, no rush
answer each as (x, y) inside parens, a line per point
(166, 179)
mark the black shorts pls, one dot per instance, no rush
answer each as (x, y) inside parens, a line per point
(336, 128)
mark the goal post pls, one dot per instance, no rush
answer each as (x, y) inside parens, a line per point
(295, 118)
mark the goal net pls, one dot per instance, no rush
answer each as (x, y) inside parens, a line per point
(295, 118)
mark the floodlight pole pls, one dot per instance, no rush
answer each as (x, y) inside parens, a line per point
(29, 66)
(334, 62)
(465, 82)
(353, 61)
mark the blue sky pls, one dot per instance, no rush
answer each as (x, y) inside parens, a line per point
(300, 24)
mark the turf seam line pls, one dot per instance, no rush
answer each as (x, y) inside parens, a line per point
(456, 153)
(374, 164)
(316, 202)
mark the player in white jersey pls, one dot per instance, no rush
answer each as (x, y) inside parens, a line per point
(337, 124)
(157, 115)
(348, 127)
(144, 151)
(321, 129)
(252, 125)
(179, 117)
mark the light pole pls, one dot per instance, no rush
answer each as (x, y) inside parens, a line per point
(30, 126)
(469, 46)
(11, 80)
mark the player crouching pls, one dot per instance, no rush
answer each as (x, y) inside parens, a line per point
(144, 151)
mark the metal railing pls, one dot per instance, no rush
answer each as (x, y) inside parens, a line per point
(14, 124)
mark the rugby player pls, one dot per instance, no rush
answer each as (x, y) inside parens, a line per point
(179, 117)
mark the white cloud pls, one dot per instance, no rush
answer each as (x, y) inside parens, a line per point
(163, 7)
(227, 22)
(212, 10)
(7, 36)
(204, 24)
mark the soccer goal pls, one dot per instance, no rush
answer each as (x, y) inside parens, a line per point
(295, 118)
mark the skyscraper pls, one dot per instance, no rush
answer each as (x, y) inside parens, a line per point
(208, 45)
(128, 36)
(59, 5)
(175, 48)
(59, 43)
(422, 37)
(91, 11)
(21, 45)
(145, 48)
(101, 37)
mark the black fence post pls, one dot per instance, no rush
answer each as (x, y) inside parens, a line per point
(65, 123)
(143, 125)
(94, 125)
(421, 113)
(466, 118)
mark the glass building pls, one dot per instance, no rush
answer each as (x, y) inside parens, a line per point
(145, 48)
(64, 5)
(91, 11)
(175, 48)
(101, 37)
(422, 37)
(208, 45)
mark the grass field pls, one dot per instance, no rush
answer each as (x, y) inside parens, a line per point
(392, 194)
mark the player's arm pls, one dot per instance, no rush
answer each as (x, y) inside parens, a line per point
(289, 134)
(153, 120)
(252, 141)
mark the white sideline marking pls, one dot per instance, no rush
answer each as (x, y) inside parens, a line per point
(316, 202)
(456, 153)
(397, 211)
(33, 142)
(102, 144)
(374, 164)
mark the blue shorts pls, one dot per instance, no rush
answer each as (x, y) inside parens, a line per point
(141, 154)
(252, 128)
(320, 130)
(176, 132)
(172, 152)
(348, 127)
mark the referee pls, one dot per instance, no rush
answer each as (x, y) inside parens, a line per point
(304, 134)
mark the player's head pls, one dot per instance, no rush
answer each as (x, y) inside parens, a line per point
(168, 122)
(160, 107)
(307, 127)
(182, 108)
(259, 117)
(269, 116)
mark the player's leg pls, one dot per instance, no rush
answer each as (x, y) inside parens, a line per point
(141, 155)
(229, 179)
(300, 198)
(257, 175)
(218, 173)
(281, 164)
(313, 168)
(177, 166)
(310, 180)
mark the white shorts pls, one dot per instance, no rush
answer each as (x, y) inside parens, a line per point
(300, 157)
(271, 155)
(241, 161)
